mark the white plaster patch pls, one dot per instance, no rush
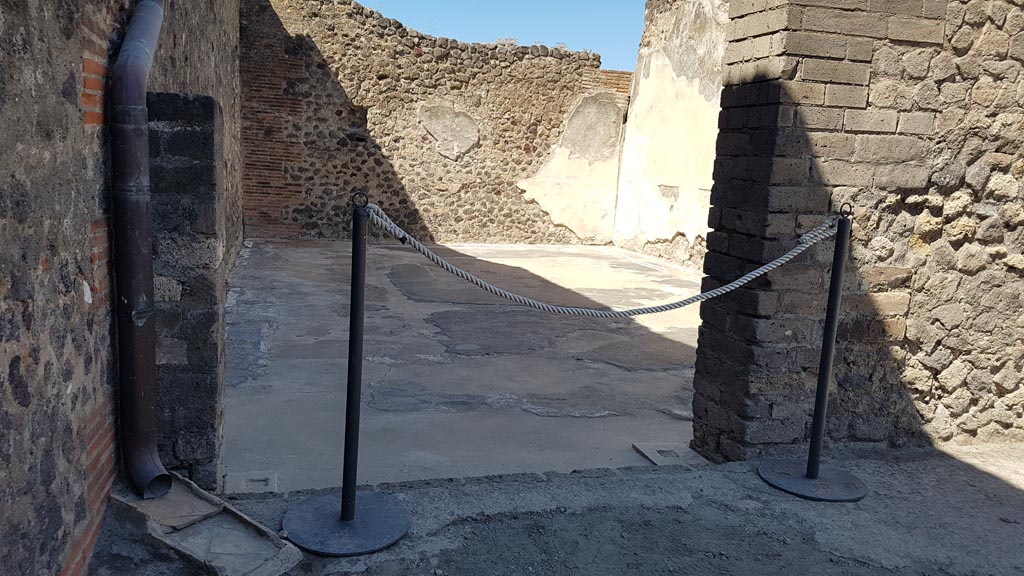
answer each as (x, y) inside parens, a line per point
(577, 194)
(455, 132)
(667, 158)
(577, 185)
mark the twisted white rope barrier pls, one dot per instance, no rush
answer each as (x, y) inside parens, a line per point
(815, 235)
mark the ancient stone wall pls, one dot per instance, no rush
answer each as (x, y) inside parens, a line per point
(198, 55)
(576, 185)
(962, 233)
(912, 112)
(56, 378)
(664, 181)
(340, 99)
(57, 385)
(191, 262)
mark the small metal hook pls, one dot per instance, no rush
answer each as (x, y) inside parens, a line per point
(846, 210)
(360, 200)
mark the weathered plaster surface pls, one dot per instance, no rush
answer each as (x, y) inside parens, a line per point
(455, 132)
(668, 151)
(577, 185)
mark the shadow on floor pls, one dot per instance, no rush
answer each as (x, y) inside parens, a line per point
(456, 382)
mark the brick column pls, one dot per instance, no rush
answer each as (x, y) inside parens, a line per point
(186, 142)
(802, 130)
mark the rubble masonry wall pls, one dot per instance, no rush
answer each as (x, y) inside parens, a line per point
(912, 111)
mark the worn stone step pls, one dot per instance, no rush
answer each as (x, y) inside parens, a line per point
(210, 534)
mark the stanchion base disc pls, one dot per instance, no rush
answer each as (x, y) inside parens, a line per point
(315, 524)
(831, 485)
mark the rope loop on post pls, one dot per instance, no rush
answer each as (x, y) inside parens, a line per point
(820, 232)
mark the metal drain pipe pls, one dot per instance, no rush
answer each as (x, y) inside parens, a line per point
(133, 251)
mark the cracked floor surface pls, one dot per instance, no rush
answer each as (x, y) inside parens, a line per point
(456, 382)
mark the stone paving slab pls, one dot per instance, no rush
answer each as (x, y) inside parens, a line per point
(179, 509)
(670, 454)
(187, 531)
(224, 545)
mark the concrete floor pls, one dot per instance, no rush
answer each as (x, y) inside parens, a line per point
(457, 383)
(927, 513)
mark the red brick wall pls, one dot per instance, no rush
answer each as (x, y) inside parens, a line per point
(100, 471)
(99, 456)
(99, 430)
(616, 80)
(99, 257)
(266, 109)
(96, 30)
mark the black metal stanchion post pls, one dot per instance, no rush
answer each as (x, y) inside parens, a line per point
(314, 524)
(353, 393)
(811, 482)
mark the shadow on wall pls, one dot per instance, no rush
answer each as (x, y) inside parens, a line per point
(775, 178)
(453, 375)
(303, 160)
(307, 146)
(781, 169)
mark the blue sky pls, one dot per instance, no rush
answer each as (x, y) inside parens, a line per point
(612, 28)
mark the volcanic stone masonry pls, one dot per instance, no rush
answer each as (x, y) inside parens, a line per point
(192, 255)
(913, 112)
(57, 417)
(910, 110)
(339, 99)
